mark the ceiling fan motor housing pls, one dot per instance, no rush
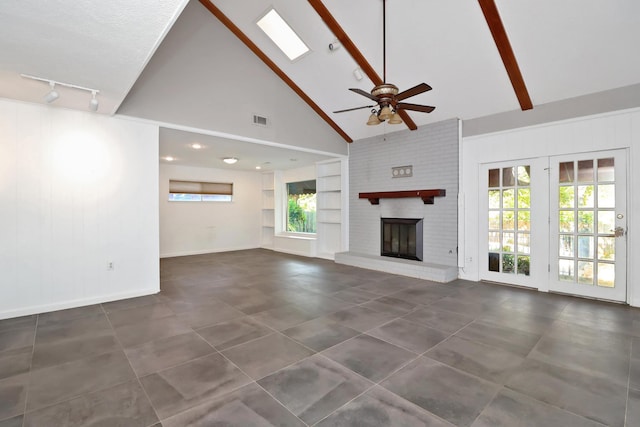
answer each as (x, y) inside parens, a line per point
(385, 89)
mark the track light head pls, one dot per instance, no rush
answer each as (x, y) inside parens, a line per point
(52, 95)
(93, 104)
(334, 45)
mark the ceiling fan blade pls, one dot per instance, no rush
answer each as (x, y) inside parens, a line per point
(356, 108)
(418, 89)
(364, 93)
(415, 107)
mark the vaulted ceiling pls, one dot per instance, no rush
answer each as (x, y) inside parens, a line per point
(563, 50)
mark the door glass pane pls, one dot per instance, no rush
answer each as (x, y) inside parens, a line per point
(606, 195)
(585, 246)
(494, 261)
(606, 170)
(508, 177)
(494, 199)
(585, 221)
(585, 171)
(585, 196)
(606, 222)
(494, 177)
(566, 270)
(508, 242)
(508, 221)
(494, 240)
(524, 220)
(508, 201)
(606, 275)
(524, 198)
(606, 248)
(585, 272)
(524, 243)
(508, 263)
(523, 265)
(524, 176)
(494, 220)
(566, 172)
(566, 221)
(566, 246)
(566, 196)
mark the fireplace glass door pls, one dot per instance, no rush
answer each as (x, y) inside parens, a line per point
(401, 238)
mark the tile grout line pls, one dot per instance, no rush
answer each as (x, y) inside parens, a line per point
(262, 388)
(130, 366)
(33, 351)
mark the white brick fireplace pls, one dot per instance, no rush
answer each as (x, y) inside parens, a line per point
(433, 153)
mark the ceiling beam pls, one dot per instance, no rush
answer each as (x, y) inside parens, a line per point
(492, 16)
(272, 65)
(355, 53)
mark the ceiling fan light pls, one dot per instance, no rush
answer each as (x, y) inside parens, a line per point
(373, 119)
(395, 119)
(385, 113)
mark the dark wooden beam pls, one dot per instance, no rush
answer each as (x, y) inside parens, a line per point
(427, 196)
(492, 16)
(272, 65)
(355, 53)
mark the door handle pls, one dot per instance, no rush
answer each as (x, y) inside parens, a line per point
(619, 232)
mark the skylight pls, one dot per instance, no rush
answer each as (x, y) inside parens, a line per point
(282, 35)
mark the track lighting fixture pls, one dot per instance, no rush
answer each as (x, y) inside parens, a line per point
(334, 45)
(93, 104)
(53, 94)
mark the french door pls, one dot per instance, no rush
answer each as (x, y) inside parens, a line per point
(556, 223)
(589, 224)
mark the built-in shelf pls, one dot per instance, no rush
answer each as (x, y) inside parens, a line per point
(427, 196)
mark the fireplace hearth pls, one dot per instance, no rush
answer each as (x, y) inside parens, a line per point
(401, 238)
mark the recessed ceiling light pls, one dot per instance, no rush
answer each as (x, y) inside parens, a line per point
(230, 160)
(282, 35)
(196, 146)
(169, 159)
(258, 167)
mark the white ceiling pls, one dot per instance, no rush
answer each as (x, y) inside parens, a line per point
(178, 144)
(101, 45)
(565, 49)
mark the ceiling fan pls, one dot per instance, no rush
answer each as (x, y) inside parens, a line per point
(386, 95)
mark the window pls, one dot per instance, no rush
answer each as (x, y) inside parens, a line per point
(301, 206)
(194, 191)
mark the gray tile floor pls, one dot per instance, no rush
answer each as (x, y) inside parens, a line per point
(256, 338)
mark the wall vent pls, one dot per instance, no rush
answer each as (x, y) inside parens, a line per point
(260, 120)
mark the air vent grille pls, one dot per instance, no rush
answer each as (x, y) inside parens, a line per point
(259, 120)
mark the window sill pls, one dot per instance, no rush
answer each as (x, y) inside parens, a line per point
(299, 236)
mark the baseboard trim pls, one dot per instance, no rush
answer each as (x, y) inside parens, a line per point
(63, 305)
(207, 251)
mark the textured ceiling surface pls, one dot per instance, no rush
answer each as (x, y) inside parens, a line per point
(101, 45)
(565, 50)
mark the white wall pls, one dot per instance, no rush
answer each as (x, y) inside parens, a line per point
(603, 132)
(77, 191)
(188, 228)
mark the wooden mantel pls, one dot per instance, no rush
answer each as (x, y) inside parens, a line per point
(427, 196)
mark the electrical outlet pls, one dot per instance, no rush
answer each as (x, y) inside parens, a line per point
(110, 265)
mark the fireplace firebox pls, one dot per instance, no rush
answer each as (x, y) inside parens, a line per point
(401, 238)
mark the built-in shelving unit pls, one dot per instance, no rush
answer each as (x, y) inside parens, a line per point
(268, 210)
(331, 203)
